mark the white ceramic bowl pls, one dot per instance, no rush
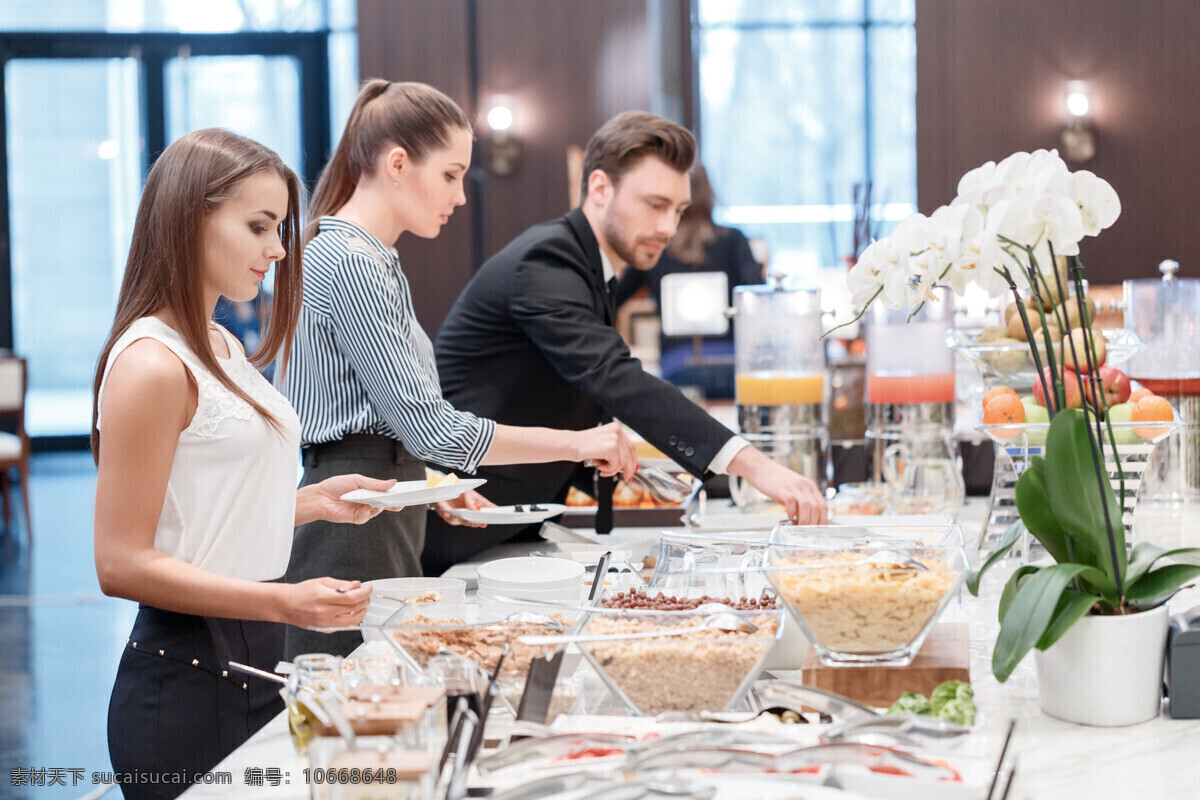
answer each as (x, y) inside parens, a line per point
(570, 596)
(531, 572)
(452, 590)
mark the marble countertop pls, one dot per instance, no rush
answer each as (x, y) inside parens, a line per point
(1059, 760)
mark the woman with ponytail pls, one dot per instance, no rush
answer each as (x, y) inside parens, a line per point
(196, 492)
(363, 376)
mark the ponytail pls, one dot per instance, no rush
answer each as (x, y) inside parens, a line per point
(414, 116)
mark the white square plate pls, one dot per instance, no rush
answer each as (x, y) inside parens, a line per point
(413, 493)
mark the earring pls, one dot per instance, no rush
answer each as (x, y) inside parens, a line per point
(395, 183)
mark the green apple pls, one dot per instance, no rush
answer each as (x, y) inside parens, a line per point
(1122, 412)
(1035, 413)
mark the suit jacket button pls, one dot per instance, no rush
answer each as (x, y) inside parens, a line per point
(691, 451)
(681, 447)
(673, 441)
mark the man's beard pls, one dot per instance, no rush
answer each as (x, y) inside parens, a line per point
(628, 252)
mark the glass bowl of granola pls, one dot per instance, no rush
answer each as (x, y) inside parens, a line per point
(866, 595)
(696, 653)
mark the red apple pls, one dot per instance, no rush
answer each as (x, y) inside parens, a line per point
(1070, 380)
(1073, 344)
(1113, 383)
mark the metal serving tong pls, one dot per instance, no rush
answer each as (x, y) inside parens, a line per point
(852, 717)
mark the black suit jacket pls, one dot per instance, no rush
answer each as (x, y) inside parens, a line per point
(531, 341)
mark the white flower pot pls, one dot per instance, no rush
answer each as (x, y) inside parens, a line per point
(1105, 670)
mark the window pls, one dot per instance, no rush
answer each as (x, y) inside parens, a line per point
(798, 102)
(83, 114)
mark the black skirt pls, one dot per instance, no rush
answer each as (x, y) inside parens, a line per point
(387, 546)
(177, 709)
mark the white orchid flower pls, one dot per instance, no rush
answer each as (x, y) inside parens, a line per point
(865, 277)
(1034, 220)
(1098, 203)
(979, 252)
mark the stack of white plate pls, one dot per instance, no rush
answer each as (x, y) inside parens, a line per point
(547, 580)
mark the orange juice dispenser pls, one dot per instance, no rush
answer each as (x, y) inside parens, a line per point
(910, 405)
(1165, 314)
(779, 381)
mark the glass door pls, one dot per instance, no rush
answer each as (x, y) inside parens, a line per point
(74, 175)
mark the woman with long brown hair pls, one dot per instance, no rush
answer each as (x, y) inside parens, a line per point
(196, 493)
(364, 380)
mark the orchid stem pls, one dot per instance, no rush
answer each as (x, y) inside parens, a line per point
(1037, 361)
(858, 316)
(1094, 444)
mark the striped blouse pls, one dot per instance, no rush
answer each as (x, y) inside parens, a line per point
(361, 362)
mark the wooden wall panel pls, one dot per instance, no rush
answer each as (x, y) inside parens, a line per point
(990, 81)
(566, 65)
(418, 40)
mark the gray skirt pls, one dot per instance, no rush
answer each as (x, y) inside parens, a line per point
(388, 546)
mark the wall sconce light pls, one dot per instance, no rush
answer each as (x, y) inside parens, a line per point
(504, 151)
(1078, 139)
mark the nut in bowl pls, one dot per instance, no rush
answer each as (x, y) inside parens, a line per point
(708, 668)
(863, 597)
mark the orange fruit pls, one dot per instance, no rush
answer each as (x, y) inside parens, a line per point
(997, 391)
(1138, 394)
(1152, 408)
(1004, 409)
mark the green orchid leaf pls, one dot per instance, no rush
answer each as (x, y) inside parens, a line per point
(1072, 607)
(1009, 538)
(1015, 581)
(1145, 555)
(1079, 500)
(1036, 511)
(1030, 615)
(1159, 586)
(1141, 560)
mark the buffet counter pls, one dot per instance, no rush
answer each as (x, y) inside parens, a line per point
(1053, 759)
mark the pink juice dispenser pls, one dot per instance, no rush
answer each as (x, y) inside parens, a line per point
(910, 405)
(1165, 313)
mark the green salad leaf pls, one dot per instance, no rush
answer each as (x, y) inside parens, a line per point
(910, 703)
(953, 701)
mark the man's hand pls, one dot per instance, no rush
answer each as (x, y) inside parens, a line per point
(470, 500)
(800, 497)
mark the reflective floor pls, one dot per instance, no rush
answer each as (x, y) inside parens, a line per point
(60, 639)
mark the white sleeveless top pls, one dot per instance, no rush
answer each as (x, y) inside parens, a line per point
(231, 498)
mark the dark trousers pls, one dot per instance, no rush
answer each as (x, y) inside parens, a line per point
(176, 708)
(388, 546)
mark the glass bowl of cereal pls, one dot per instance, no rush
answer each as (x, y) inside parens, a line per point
(471, 635)
(866, 595)
(695, 653)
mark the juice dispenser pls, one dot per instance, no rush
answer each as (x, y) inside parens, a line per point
(1166, 315)
(779, 381)
(910, 405)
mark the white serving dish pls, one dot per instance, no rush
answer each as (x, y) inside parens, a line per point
(529, 572)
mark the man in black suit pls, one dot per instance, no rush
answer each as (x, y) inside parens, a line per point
(531, 339)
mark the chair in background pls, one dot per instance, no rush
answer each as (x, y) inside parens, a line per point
(14, 447)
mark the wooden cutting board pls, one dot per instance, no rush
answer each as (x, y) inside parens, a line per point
(944, 656)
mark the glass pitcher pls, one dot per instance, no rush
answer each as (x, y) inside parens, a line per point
(924, 476)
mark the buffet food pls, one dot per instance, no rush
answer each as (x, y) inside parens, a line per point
(422, 637)
(854, 605)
